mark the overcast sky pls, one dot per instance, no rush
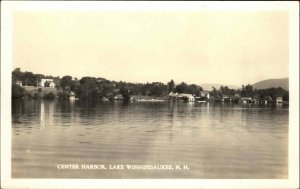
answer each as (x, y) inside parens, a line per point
(196, 47)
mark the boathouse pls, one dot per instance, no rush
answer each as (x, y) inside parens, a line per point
(188, 97)
(246, 100)
(72, 95)
(205, 94)
(279, 100)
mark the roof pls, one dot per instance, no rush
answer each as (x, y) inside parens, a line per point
(186, 95)
(46, 79)
(268, 98)
(246, 98)
(180, 94)
(204, 92)
(173, 94)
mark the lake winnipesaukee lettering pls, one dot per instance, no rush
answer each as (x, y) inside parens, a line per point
(120, 167)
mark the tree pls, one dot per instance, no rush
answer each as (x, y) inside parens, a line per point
(125, 92)
(273, 93)
(17, 91)
(17, 70)
(247, 91)
(65, 82)
(181, 88)
(171, 86)
(214, 92)
(87, 88)
(158, 89)
(88, 82)
(74, 84)
(29, 79)
(286, 97)
(49, 96)
(39, 77)
(194, 89)
(47, 84)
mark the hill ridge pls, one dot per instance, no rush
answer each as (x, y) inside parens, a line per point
(268, 83)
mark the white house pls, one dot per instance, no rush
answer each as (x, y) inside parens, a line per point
(189, 97)
(246, 100)
(279, 100)
(205, 94)
(72, 95)
(118, 97)
(182, 96)
(51, 83)
(19, 83)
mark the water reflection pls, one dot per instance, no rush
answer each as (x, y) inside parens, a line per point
(215, 140)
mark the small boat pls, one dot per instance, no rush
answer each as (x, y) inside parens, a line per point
(105, 99)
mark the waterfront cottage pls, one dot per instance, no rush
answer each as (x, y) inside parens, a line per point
(246, 100)
(267, 99)
(226, 98)
(236, 98)
(173, 96)
(72, 95)
(188, 97)
(257, 99)
(118, 97)
(279, 100)
(205, 94)
(181, 97)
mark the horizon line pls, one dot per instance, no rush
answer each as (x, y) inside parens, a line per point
(135, 82)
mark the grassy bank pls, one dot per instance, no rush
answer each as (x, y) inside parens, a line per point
(43, 90)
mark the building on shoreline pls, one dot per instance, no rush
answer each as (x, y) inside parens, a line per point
(47, 83)
(279, 100)
(246, 100)
(19, 83)
(205, 94)
(118, 97)
(72, 95)
(181, 97)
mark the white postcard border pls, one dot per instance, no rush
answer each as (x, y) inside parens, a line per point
(6, 67)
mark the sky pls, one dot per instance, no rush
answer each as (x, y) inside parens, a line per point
(232, 48)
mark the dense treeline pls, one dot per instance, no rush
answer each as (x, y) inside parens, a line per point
(29, 78)
(91, 87)
(249, 91)
(17, 91)
(97, 88)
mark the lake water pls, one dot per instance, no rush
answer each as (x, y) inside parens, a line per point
(212, 140)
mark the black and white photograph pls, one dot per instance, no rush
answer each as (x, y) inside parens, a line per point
(168, 92)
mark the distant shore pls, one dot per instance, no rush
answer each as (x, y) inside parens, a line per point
(38, 86)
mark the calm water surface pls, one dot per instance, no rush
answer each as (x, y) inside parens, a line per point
(213, 140)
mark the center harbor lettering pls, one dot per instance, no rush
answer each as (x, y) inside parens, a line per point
(86, 166)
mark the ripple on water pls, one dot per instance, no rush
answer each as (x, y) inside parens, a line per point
(215, 141)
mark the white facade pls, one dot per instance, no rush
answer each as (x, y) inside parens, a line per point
(189, 97)
(205, 94)
(72, 95)
(43, 81)
(178, 96)
(19, 83)
(52, 84)
(279, 100)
